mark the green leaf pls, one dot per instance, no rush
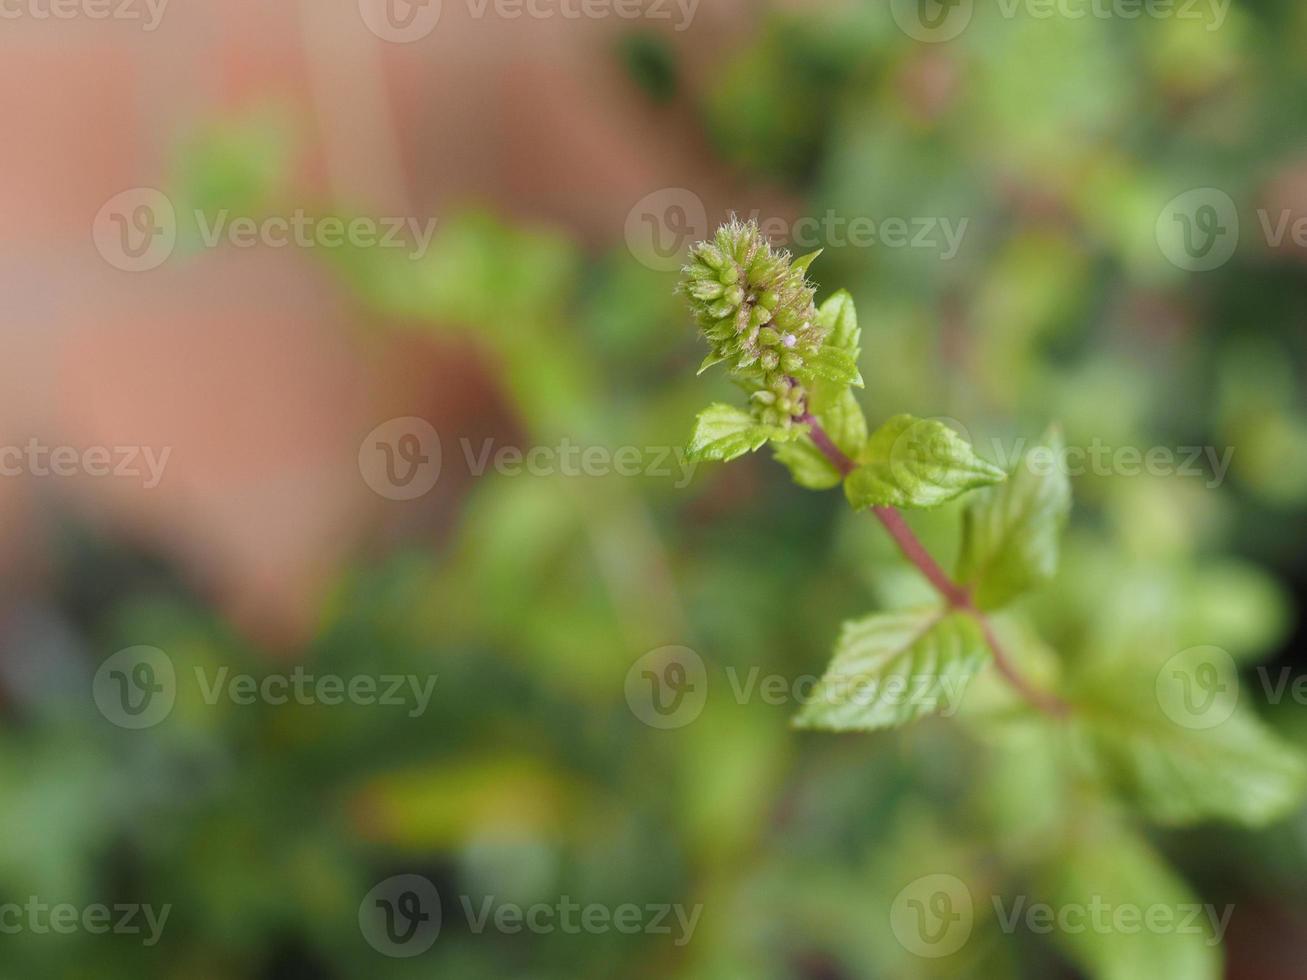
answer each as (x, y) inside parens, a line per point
(723, 432)
(1177, 744)
(808, 466)
(709, 361)
(912, 462)
(838, 317)
(831, 364)
(1010, 533)
(832, 403)
(1107, 872)
(801, 264)
(890, 668)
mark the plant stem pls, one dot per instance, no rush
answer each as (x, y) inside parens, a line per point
(954, 594)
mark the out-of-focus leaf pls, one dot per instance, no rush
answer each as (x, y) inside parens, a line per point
(891, 668)
(1010, 533)
(1178, 745)
(1126, 914)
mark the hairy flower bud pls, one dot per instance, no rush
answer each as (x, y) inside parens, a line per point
(756, 309)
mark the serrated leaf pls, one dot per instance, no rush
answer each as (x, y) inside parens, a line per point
(1179, 746)
(723, 432)
(836, 408)
(831, 364)
(1011, 533)
(1106, 872)
(838, 317)
(890, 668)
(911, 462)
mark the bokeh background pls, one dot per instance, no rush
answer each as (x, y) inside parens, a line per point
(566, 162)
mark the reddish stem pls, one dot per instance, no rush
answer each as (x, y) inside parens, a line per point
(954, 594)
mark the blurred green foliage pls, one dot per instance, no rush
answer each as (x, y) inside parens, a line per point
(530, 778)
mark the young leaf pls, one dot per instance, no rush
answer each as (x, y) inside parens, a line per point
(802, 262)
(838, 317)
(832, 403)
(831, 364)
(1010, 533)
(910, 462)
(709, 360)
(890, 668)
(723, 432)
(1183, 750)
(1107, 869)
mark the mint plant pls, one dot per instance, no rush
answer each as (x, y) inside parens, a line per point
(1094, 740)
